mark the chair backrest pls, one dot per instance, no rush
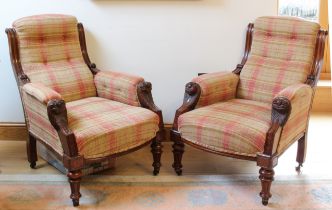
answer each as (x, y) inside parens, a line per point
(50, 53)
(282, 54)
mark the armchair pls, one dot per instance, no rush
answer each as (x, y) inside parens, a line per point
(82, 115)
(261, 108)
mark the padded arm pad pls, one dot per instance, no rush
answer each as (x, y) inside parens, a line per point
(216, 87)
(295, 93)
(118, 86)
(41, 92)
(300, 96)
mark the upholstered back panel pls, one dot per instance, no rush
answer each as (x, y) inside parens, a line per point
(50, 54)
(281, 55)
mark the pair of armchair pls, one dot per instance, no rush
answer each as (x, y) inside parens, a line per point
(85, 116)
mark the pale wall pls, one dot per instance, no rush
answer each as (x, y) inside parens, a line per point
(167, 42)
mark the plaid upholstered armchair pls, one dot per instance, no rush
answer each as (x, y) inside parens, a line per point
(261, 108)
(81, 114)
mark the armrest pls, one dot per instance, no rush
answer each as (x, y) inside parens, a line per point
(144, 91)
(216, 87)
(191, 96)
(118, 86)
(290, 110)
(296, 93)
(46, 115)
(41, 92)
(300, 97)
(57, 114)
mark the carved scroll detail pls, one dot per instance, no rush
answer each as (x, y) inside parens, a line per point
(190, 100)
(281, 108)
(57, 114)
(144, 93)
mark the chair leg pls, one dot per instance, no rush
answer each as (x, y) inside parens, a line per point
(266, 177)
(32, 151)
(74, 178)
(178, 150)
(156, 149)
(301, 152)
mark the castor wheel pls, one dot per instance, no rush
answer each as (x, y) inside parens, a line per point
(265, 202)
(33, 165)
(179, 172)
(76, 202)
(155, 172)
(298, 168)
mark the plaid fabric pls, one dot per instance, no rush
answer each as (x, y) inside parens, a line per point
(50, 54)
(41, 92)
(236, 126)
(281, 55)
(216, 87)
(118, 86)
(38, 122)
(104, 127)
(300, 97)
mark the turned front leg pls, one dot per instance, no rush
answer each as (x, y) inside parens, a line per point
(178, 150)
(266, 177)
(74, 178)
(156, 149)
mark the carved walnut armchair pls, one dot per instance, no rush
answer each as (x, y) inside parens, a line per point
(81, 114)
(261, 108)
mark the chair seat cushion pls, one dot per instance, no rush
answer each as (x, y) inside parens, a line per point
(103, 127)
(236, 126)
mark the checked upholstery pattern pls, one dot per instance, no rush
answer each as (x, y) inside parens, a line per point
(118, 86)
(41, 92)
(103, 127)
(234, 113)
(216, 87)
(300, 96)
(51, 57)
(38, 122)
(50, 54)
(236, 126)
(281, 55)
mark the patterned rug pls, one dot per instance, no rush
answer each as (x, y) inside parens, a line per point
(44, 192)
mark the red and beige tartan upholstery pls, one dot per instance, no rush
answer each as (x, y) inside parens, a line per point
(50, 54)
(300, 96)
(103, 127)
(236, 126)
(118, 86)
(38, 122)
(41, 92)
(52, 59)
(235, 113)
(281, 55)
(215, 87)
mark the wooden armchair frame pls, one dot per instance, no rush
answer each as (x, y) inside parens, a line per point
(57, 113)
(281, 109)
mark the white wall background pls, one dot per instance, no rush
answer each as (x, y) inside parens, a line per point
(167, 42)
